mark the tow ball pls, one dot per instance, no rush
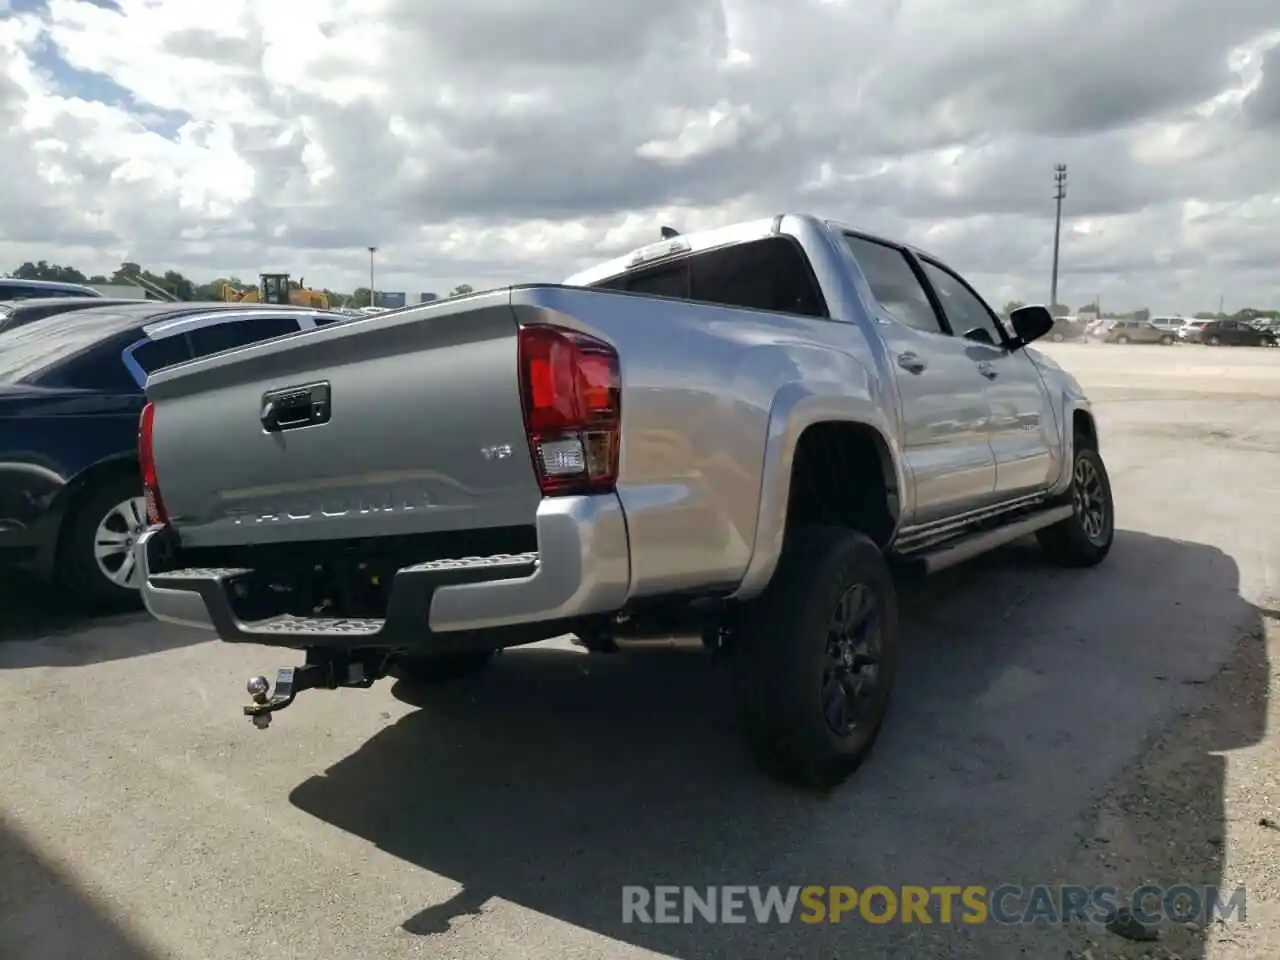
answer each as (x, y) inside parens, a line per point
(291, 681)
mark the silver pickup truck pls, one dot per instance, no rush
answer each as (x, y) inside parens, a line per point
(746, 434)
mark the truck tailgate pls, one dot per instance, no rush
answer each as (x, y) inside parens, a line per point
(403, 423)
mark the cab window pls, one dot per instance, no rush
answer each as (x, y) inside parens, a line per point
(964, 309)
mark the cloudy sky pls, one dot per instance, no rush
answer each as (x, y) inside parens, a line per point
(489, 141)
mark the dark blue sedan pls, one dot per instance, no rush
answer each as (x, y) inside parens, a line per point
(71, 390)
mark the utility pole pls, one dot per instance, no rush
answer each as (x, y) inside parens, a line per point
(372, 251)
(1059, 193)
(1221, 297)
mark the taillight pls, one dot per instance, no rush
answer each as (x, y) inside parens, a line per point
(571, 388)
(147, 460)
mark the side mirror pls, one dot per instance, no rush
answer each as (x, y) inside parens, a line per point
(1030, 324)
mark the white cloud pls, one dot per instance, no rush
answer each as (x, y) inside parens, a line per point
(502, 140)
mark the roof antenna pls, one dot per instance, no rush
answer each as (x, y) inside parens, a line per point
(669, 232)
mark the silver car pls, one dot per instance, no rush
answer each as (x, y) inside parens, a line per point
(1138, 331)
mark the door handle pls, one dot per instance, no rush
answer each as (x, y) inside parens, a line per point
(295, 407)
(987, 370)
(911, 362)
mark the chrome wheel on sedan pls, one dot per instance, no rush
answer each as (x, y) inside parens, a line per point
(95, 558)
(113, 542)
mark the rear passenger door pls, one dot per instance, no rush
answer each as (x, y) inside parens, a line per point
(942, 393)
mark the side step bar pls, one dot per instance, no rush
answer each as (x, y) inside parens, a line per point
(967, 547)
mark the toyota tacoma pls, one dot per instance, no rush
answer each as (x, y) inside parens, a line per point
(748, 434)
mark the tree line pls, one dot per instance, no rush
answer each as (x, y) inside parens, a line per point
(182, 287)
(1248, 314)
(177, 285)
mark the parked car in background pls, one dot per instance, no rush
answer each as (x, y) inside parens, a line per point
(1137, 331)
(1235, 333)
(11, 288)
(1169, 324)
(70, 395)
(1190, 332)
(1067, 328)
(18, 313)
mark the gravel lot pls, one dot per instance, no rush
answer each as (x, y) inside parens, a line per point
(1068, 727)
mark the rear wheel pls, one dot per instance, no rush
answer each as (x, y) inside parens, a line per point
(1213, 341)
(95, 555)
(1167, 340)
(1057, 338)
(1083, 539)
(815, 660)
(1122, 339)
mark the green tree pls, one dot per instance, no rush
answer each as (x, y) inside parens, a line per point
(461, 290)
(1011, 306)
(44, 270)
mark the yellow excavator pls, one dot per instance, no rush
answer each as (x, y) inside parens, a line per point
(276, 288)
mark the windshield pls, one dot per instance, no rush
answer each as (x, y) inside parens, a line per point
(30, 349)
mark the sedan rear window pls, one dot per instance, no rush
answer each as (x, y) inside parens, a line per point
(30, 349)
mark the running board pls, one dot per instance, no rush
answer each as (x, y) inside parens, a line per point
(975, 544)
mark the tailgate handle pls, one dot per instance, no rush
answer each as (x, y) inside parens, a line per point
(292, 407)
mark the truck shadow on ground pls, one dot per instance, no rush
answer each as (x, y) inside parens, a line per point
(39, 627)
(44, 915)
(558, 778)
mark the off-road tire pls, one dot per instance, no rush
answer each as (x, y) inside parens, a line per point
(432, 671)
(77, 570)
(1067, 544)
(780, 651)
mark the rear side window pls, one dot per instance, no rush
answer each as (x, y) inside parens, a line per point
(153, 355)
(23, 293)
(98, 369)
(769, 274)
(239, 333)
(894, 284)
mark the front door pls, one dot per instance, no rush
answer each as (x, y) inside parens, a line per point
(1023, 426)
(942, 395)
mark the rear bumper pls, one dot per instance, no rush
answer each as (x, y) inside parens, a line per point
(581, 568)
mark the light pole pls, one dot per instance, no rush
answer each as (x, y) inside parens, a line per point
(372, 251)
(1060, 192)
